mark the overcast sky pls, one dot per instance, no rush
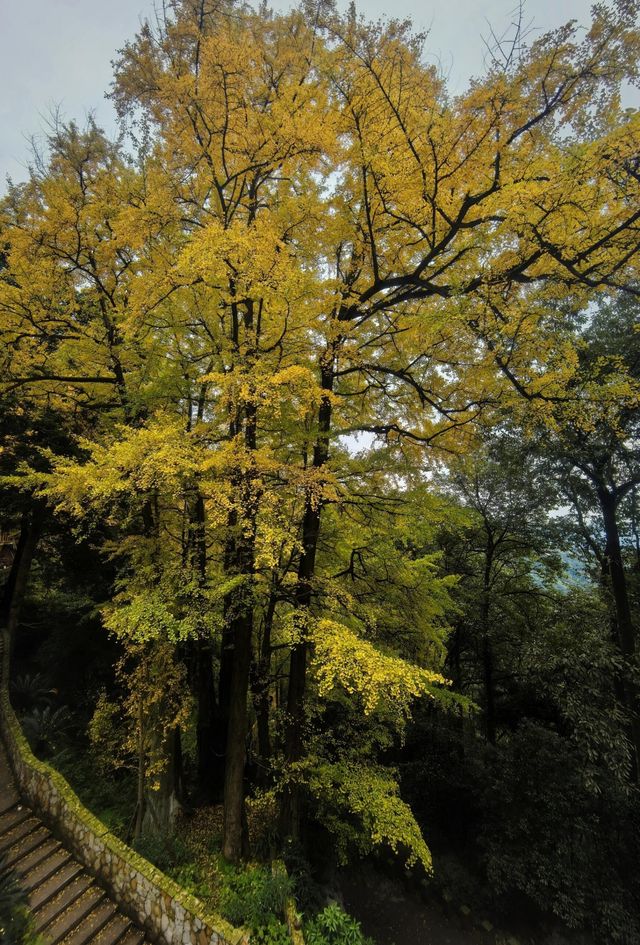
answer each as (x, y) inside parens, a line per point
(58, 53)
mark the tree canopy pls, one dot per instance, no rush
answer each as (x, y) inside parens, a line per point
(324, 345)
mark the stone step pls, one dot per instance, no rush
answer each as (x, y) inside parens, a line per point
(61, 901)
(95, 922)
(133, 937)
(115, 931)
(58, 880)
(14, 816)
(23, 848)
(73, 916)
(42, 864)
(18, 832)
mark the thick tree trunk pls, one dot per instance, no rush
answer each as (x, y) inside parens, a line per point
(162, 798)
(618, 680)
(159, 793)
(235, 837)
(234, 842)
(209, 766)
(291, 802)
(616, 573)
(162, 801)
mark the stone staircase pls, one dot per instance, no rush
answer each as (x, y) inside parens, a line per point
(69, 906)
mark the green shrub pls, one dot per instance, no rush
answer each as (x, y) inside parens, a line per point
(334, 926)
(254, 897)
(188, 876)
(273, 933)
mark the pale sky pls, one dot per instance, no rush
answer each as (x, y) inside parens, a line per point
(57, 53)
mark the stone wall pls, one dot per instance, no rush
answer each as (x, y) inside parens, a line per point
(169, 915)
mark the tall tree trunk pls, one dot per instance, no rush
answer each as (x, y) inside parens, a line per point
(260, 687)
(227, 653)
(234, 843)
(163, 801)
(234, 823)
(616, 573)
(201, 657)
(227, 658)
(291, 802)
(487, 649)
(625, 629)
(16, 585)
(208, 765)
(159, 797)
(235, 834)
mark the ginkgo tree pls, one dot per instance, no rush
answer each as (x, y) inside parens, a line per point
(312, 238)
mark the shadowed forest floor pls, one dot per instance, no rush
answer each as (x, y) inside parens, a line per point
(392, 915)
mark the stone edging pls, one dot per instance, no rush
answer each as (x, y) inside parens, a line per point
(169, 915)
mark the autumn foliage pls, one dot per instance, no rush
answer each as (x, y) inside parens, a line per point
(303, 238)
